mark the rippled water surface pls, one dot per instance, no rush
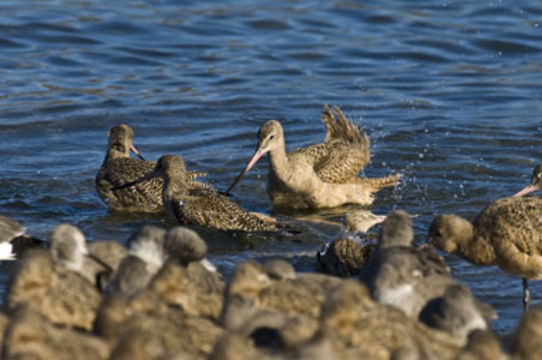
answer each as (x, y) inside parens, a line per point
(449, 91)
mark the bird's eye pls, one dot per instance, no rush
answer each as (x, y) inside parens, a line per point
(271, 137)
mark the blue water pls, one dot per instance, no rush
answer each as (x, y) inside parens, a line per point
(449, 91)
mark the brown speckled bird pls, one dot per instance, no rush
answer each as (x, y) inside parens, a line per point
(192, 204)
(119, 168)
(535, 184)
(321, 175)
(507, 233)
(346, 255)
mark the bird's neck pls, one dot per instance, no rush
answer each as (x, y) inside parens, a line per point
(475, 248)
(279, 159)
(174, 186)
(116, 151)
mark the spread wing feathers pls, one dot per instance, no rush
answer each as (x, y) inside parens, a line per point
(345, 152)
(208, 208)
(339, 128)
(342, 162)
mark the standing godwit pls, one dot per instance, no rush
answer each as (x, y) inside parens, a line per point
(535, 184)
(193, 204)
(507, 233)
(321, 175)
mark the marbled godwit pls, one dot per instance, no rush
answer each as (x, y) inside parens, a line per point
(401, 275)
(13, 240)
(507, 233)
(321, 175)
(199, 205)
(119, 168)
(535, 184)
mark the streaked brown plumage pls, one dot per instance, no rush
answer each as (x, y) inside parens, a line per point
(119, 168)
(193, 204)
(346, 256)
(321, 175)
(507, 233)
(534, 184)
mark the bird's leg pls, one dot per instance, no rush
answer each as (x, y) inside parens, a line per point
(526, 295)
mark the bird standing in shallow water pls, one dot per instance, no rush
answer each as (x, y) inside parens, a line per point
(535, 184)
(119, 168)
(507, 233)
(321, 175)
(201, 205)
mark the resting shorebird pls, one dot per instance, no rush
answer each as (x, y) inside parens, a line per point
(119, 168)
(321, 175)
(201, 205)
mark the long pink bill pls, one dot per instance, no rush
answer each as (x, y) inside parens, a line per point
(136, 153)
(527, 189)
(255, 157)
(137, 181)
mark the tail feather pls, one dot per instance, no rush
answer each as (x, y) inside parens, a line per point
(376, 184)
